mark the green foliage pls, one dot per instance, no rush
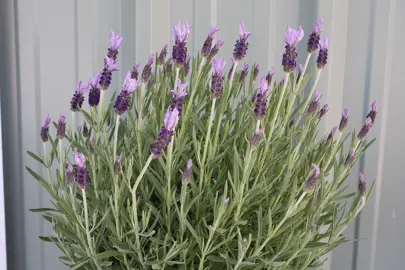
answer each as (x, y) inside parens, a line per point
(245, 207)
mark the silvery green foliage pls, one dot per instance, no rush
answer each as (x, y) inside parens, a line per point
(250, 198)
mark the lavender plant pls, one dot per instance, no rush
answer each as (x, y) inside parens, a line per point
(185, 168)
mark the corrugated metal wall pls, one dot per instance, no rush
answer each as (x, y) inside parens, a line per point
(48, 45)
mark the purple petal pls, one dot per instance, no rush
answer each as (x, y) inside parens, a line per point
(111, 64)
(94, 81)
(242, 31)
(189, 164)
(180, 92)
(150, 60)
(263, 86)
(47, 121)
(317, 96)
(323, 44)
(62, 118)
(374, 106)
(171, 119)
(218, 65)
(115, 41)
(220, 43)
(333, 131)
(369, 121)
(82, 88)
(213, 31)
(80, 159)
(130, 85)
(292, 36)
(300, 69)
(318, 25)
(317, 171)
(346, 112)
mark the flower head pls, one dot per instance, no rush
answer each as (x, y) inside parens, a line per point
(162, 55)
(373, 112)
(188, 172)
(292, 36)
(218, 65)
(344, 119)
(94, 82)
(332, 132)
(350, 158)
(47, 121)
(135, 72)
(171, 119)
(130, 85)
(314, 105)
(362, 185)
(147, 69)
(257, 137)
(244, 72)
(256, 71)
(115, 41)
(313, 179)
(80, 159)
(61, 128)
(45, 129)
(216, 48)
(180, 34)
(243, 34)
(323, 111)
(264, 88)
(323, 53)
(181, 31)
(365, 129)
(111, 64)
(242, 44)
(82, 174)
(180, 92)
(313, 39)
(269, 76)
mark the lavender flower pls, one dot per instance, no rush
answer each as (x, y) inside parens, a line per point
(350, 158)
(269, 76)
(257, 138)
(45, 129)
(313, 40)
(215, 49)
(178, 97)
(122, 101)
(244, 72)
(169, 66)
(186, 66)
(330, 136)
(78, 98)
(115, 43)
(313, 179)
(117, 165)
(362, 185)
(187, 173)
(180, 34)
(69, 174)
(147, 69)
(365, 129)
(135, 72)
(206, 48)
(373, 112)
(323, 111)
(166, 133)
(314, 105)
(261, 99)
(323, 53)
(256, 71)
(217, 78)
(109, 67)
(162, 55)
(300, 71)
(82, 174)
(292, 37)
(242, 44)
(61, 128)
(344, 119)
(94, 92)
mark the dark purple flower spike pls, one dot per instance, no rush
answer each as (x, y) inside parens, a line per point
(82, 174)
(269, 76)
(178, 96)
(313, 179)
(332, 132)
(78, 97)
(162, 56)
(215, 49)
(362, 185)
(365, 129)
(61, 128)
(350, 158)
(323, 111)
(115, 43)
(45, 129)
(94, 91)
(315, 103)
(217, 77)
(242, 44)
(147, 69)
(373, 112)
(207, 46)
(122, 101)
(323, 53)
(135, 72)
(106, 74)
(187, 173)
(314, 37)
(261, 99)
(180, 34)
(166, 133)
(344, 119)
(292, 37)
(256, 71)
(244, 72)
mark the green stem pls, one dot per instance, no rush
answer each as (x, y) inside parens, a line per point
(139, 122)
(207, 140)
(94, 175)
(73, 126)
(257, 126)
(169, 183)
(117, 123)
(141, 174)
(61, 162)
(101, 106)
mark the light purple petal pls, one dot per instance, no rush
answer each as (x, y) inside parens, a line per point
(70, 168)
(317, 96)
(318, 26)
(220, 43)
(292, 36)
(369, 122)
(346, 112)
(300, 69)
(111, 64)
(246, 66)
(218, 65)
(243, 34)
(80, 159)
(171, 119)
(150, 60)
(130, 85)
(180, 92)
(47, 121)
(260, 132)
(94, 81)
(213, 31)
(374, 106)
(62, 118)
(232, 60)
(323, 44)
(317, 171)
(334, 129)
(82, 88)
(115, 41)
(263, 86)
(189, 164)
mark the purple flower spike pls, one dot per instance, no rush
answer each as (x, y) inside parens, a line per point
(217, 78)
(135, 72)
(117, 165)
(94, 93)
(69, 174)
(78, 98)
(45, 129)
(178, 97)
(323, 53)
(313, 40)
(256, 71)
(124, 98)
(373, 112)
(313, 179)
(147, 69)
(187, 173)
(242, 44)
(323, 111)
(82, 174)
(292, 37)
(111, 64)
(206, 48)
(61, 128)
(314, 105)
(162, 55)
(365, 129)
(169, 66)
(344, 119)
(269, 76)
(261, 99)
(186, 65)
(115, 43)
(244, 72)
(166, 133)
(332, 132)
(362, 185)
(216, 48)
(257, 138)
(180, 34)
(350, 158)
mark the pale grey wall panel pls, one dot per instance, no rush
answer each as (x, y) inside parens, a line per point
(51, 45)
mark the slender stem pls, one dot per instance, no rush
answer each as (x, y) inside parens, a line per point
(169, 183)
(257, 125)
(117, 123)
(139, 122)
(303, 108)
(101, 106)
(176, 77)
(232, 74)
(303, 72)
(73, 125)
(93, 165)
(141, 174)
(207, 140)
(61, 161)
(86, 220)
